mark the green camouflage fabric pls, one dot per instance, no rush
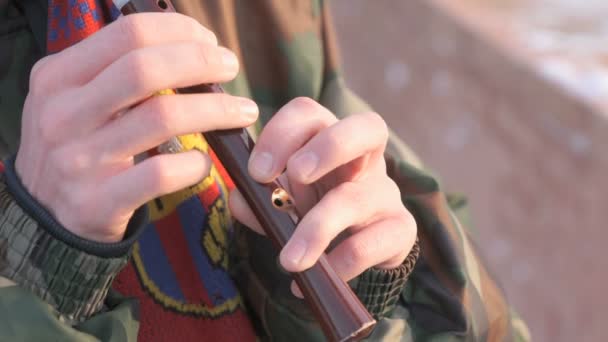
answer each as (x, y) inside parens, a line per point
(18, 52)
(74, 282)
(287, 49)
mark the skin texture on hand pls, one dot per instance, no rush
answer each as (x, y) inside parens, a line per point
(336, 172)
(90, 111)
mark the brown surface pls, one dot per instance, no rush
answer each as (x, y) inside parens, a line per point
(528, 149)
(333, 303)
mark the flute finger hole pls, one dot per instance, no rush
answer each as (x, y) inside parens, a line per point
(281, 199)
(162, 4)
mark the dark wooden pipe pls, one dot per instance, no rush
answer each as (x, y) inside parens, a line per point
(335, 306)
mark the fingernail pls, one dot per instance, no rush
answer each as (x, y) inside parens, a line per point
(295, 289)
(229, 59)
(305, 164)
(261, 165)
(293, 254)
(249, 109)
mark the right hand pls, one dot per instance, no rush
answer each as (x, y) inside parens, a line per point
(90, 111)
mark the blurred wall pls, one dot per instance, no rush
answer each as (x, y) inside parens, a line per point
(531, 157)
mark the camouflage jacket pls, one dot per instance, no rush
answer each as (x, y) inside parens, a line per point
(287, 50)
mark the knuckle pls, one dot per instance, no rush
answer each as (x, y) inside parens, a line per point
(378, 122)
(160, 115)
(357, 252)
(321, 234)
(78, 161)
(211, 36)
(305, 108)
(56, 162)
(49, 127)
(46, 130)
(395, 260)
(390, 191)
(304, 104)
(227, 104)
(159, 173)
(335, 143)
(351, 192)
(204, 57)
(192, 25)
(404, 228)
(132, 30)
(52, 116)
(410, 226)
(138, 74)
(69, 162)
(38, 76)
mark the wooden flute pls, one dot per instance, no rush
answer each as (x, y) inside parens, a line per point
(338, 310)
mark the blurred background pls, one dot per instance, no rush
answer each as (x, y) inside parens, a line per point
(507, 100)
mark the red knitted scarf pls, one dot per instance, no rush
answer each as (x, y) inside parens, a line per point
(179, 269)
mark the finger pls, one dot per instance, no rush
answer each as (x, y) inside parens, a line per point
(290, 128)
(162, 117)
(139, 74)
(384, 244)
(348, 205)
(80, 63)
(242, 212)
(154, 177)
(295, 289)
(358, 137)
(240, 209)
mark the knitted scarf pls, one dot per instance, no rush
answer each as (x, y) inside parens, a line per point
(179, 268)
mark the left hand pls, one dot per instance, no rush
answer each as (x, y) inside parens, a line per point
(336, 173)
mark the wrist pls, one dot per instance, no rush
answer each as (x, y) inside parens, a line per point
(101, 237)
(73, 282)
(70, 273)
(44, 204)
(379, 289)
(51, 225)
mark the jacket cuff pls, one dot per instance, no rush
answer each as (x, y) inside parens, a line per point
(379, 290)
(70, 273)
(46, 220)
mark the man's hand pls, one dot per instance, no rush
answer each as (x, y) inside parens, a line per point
(336, 173)
(90, 111)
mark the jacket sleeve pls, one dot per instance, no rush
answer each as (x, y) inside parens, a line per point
(451, 294)
(53, 284)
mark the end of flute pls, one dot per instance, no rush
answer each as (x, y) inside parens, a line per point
(362, 333)
(120, 3)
